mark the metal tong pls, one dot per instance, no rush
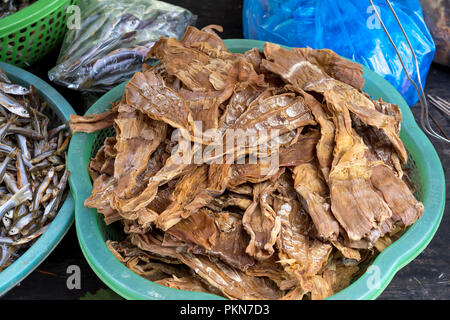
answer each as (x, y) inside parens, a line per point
(424, 112)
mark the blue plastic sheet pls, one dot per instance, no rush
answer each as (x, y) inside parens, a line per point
(350, 28)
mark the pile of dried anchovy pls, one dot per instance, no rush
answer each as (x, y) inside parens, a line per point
(33, 173)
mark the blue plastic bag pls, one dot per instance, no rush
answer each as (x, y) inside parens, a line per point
(351, 29)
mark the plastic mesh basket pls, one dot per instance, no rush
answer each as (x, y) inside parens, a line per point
(29, 34)
(425, 171)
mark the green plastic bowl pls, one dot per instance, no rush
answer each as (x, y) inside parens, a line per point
(30, 33)
(427, 173)
(58, 110)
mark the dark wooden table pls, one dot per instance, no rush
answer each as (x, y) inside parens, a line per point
(427, 277)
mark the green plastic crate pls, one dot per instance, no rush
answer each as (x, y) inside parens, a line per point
(426, 172)
(30, 33)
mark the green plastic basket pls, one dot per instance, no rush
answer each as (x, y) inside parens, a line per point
(30, 33)
(424, 162)
(58, 110)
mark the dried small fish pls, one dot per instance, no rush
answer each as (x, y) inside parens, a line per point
(55, 160)
(30, 237)
(5, 148)
(33, 173)
(42, 156)
(22, 142)
(41, 189)
(63, 146)
(21, 223)
(13, 105)
(6, 222)
(113, 40)
(19, 197)
(5, 128)
(51, 208)
(14, 89)
(41, 166)
(22, 175)
(10, 182)
(6, 240)
(26, 132)
(5, 162)
(53, 132)
(4, 77)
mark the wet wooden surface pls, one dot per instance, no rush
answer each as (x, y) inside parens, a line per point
(426, 277)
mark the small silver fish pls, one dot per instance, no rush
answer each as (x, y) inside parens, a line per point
(53, 132)
(4, 77)
(26, 132)
(42, 156)
(22, 221)
(22, 141)
(19, 197)
(40, 166)
(14, 89)
(5, 128)
(30, 237)
(5, 148)
(10, 183)
(6, 240)
(55, 160)
(9, 214)
(31, 182)
(53, 205)
(13, 105)
(41, 189)
(5, 162)
(46, 196)
(6, 222)
(21, 172)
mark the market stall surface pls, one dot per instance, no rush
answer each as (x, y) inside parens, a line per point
(426, 277)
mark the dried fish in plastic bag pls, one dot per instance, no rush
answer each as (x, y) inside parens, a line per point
(113, 40)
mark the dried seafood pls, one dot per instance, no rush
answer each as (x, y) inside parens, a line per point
(300, 227)
(33, 173)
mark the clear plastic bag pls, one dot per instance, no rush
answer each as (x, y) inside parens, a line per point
(113, 40)
(351, 29)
